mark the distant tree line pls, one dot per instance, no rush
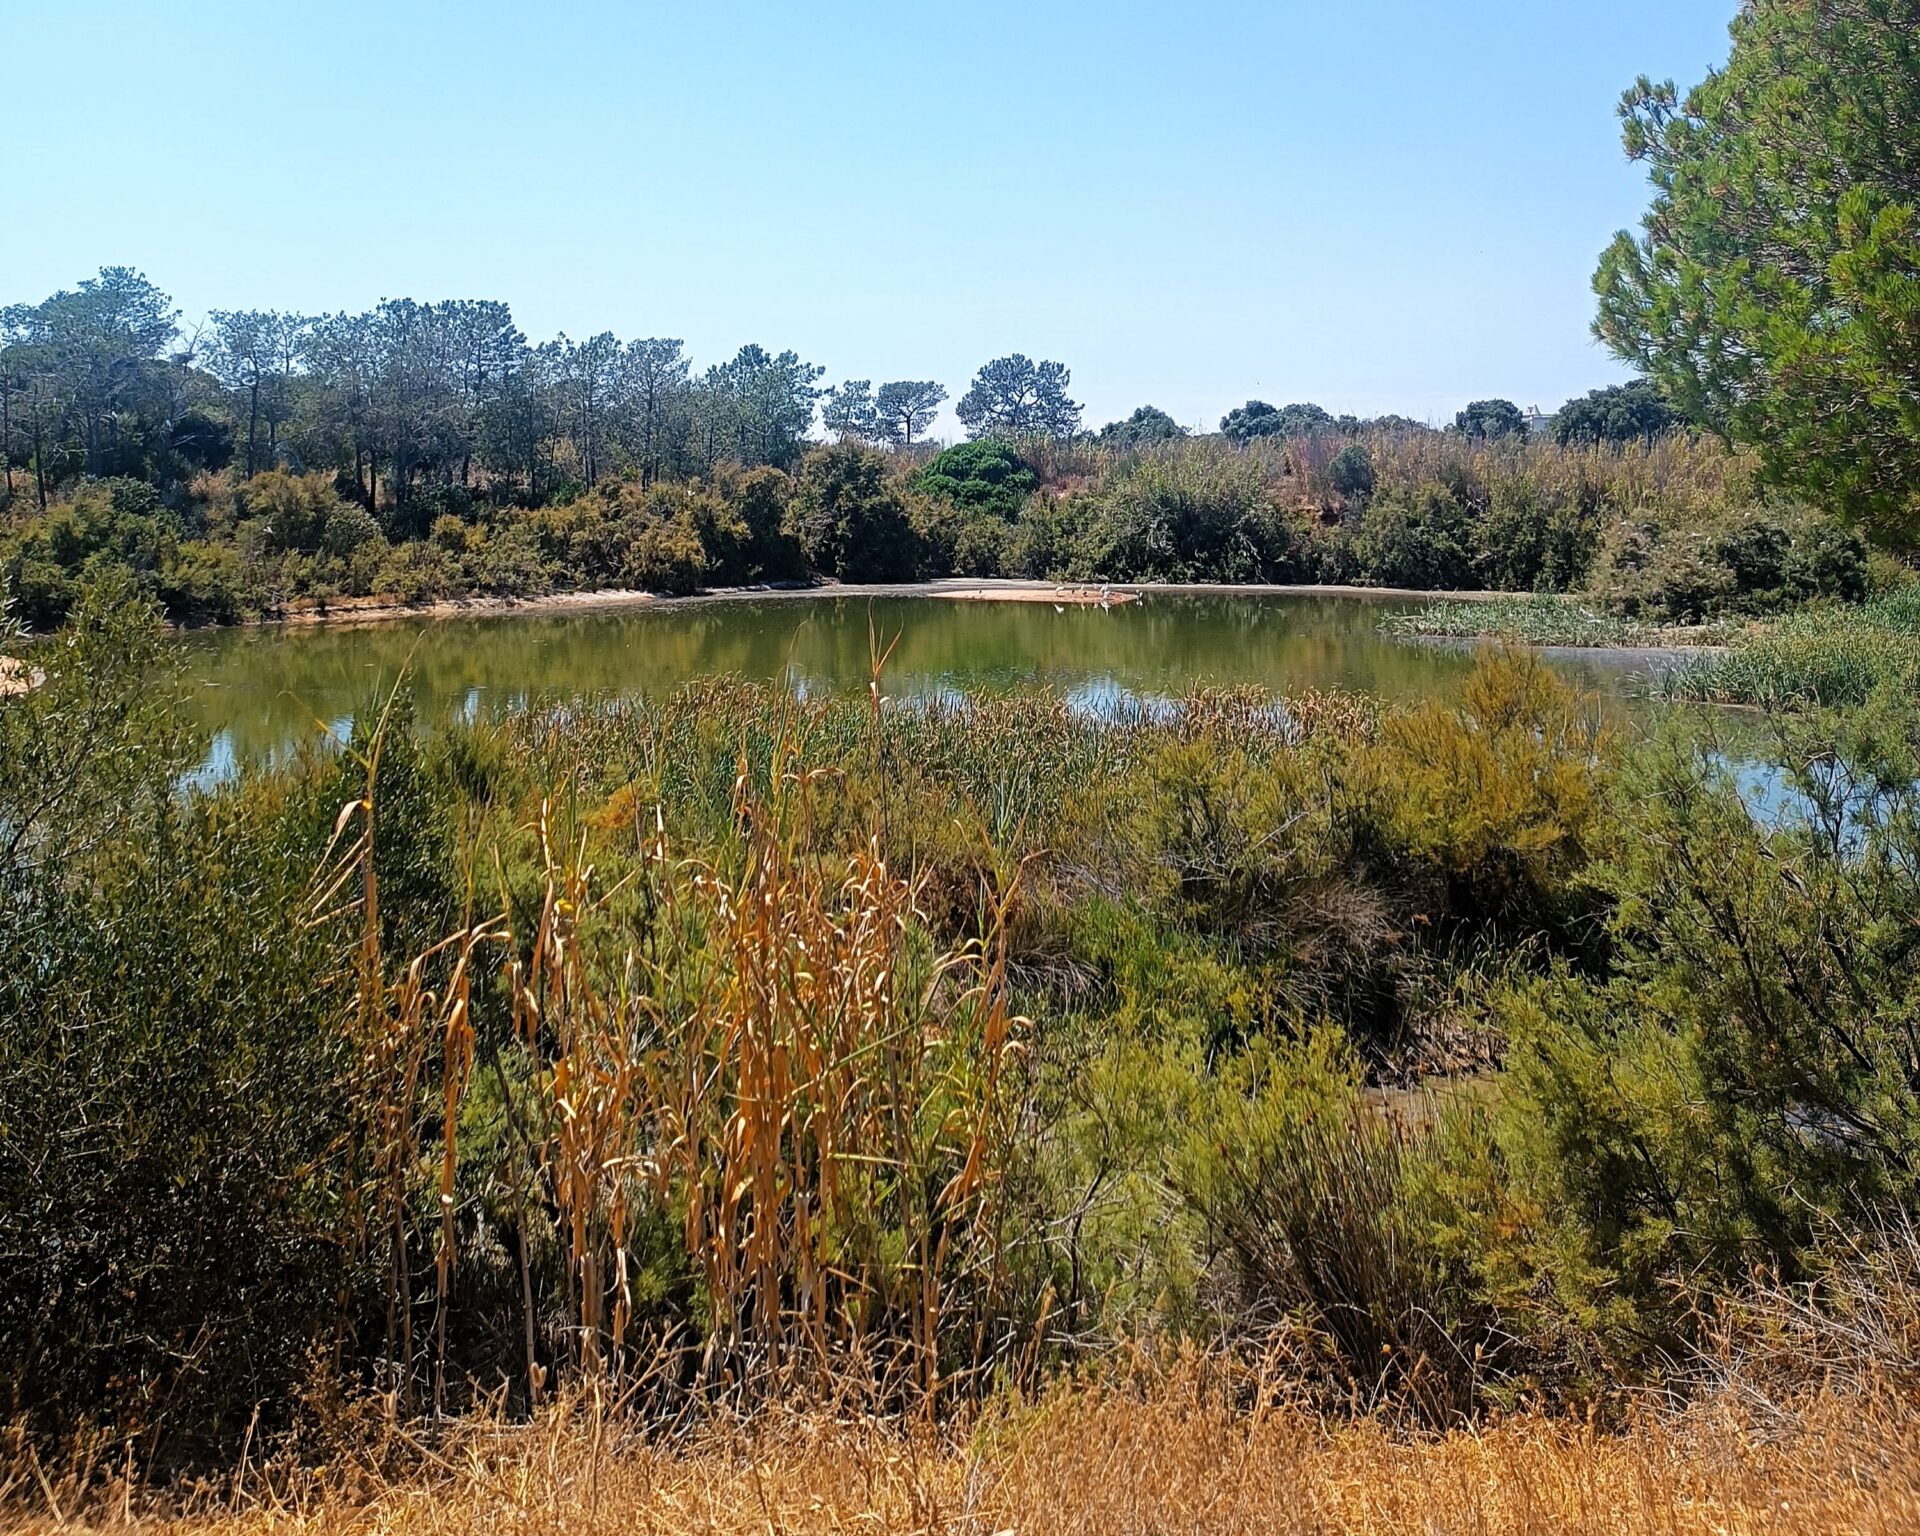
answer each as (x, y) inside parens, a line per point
(423, 451)
(408, 398)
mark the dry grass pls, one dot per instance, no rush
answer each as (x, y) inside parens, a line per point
(1178, 1457)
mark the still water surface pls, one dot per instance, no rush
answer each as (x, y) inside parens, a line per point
(261, 693)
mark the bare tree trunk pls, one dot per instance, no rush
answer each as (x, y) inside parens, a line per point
(39, 463)
(253, 421)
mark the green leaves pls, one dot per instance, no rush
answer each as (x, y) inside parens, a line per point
(1774, 293)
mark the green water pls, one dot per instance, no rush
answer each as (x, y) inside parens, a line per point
(262, 692)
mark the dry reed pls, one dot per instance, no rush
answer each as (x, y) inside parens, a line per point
(1179, 1455)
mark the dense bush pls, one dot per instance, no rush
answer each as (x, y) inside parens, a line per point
(1185, 514)
(982, 476)
(1665, 530)
(173, 1068)
(850, 520)
(1418, 538)
(1759, 560)
(1742, 1077)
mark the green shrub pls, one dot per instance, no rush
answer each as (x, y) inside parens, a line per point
(1352, 473)
(1742, 1075)
(1423, 538)
(982, 548)
(419, 572)
(850, 520)
(665, 557)
(1310, 1192)
(985, 475)
(1182, 513)
(171, 1066)
(203, 584)
(1530, 539)
(1759, 561)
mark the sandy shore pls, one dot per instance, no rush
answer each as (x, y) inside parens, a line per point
(1060, 597)
(369, 610)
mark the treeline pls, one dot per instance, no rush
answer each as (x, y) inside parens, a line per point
(401, 404)
(423, 451)
(409, 401)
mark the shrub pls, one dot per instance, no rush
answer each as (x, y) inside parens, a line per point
(1180, 513)
(506, 559)
(419, 572)
(1352, 474)
(109, 527)
(349, 528)
(161, 1269)
(1423, 538)
(1743, 1073)
(299, 512)
(1309, 1190)
(850, 521)
(760, 498)
(665, 557)
(985, 475)
(1757, 561)
(203, 584)
(982, 547)
(1532, 539)
(1502, 791)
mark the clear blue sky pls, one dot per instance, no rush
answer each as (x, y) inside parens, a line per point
(1380, 205)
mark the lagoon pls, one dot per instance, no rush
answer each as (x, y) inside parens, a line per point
(262, 693)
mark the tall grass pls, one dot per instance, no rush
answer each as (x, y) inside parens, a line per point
(1543, 620)
(1828, 657)
(762, 1041)
(1199, 1447)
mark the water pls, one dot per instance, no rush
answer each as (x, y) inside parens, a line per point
(262, 693)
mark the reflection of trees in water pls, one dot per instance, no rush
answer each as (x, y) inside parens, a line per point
(270, 688)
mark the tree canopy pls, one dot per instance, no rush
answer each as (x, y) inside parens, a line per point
(1620, 413)
(1491, 419)
(1016, 397)
(1258, 419)
(1774, 290)
(905, 409)
(850, 519)
(983, 476)
(1148, 424)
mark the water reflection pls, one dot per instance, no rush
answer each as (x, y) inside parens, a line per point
(265, 693)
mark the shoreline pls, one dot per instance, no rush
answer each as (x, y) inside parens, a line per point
(365, 610)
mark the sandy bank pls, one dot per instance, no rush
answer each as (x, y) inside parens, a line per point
(1060, 597)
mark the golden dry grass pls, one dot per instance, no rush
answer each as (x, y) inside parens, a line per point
(1175, 1459)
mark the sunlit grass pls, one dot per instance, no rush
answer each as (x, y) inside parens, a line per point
(1831, 657)
(1544, 620)
(1173, 1455)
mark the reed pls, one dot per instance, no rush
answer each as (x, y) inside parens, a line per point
(1823, 657)
(1544, 620)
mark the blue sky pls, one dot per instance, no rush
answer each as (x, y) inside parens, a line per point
(1381, 205)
